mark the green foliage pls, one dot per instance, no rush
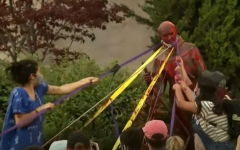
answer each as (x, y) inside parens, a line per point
(217, 36)
(212, 25)
(102, 129)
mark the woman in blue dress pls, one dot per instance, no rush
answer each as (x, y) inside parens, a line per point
(26, 101)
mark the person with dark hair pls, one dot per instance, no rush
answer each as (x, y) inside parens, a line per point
(34, 148)
(221, 92)
(208, 110)
(132, 139)
(156, 133)
(76, 141)
(26, 101)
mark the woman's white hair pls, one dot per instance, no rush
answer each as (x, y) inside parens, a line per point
(175, 143)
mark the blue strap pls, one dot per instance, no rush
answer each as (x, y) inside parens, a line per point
(114, 120)
(114, 70)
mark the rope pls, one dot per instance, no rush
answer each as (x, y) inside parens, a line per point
(101, 109)
(173, 116)
(143, 99)
(124, 86)
(152, 108)
(85, 113)
(76, 91)
(174, 102)
(114, 70)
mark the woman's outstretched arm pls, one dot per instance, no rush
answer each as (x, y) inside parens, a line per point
(70, 87)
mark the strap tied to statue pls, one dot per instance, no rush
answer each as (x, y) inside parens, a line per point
(60, 100)
(174, 102)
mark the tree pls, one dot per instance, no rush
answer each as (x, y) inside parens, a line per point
(182, 13)
(217, 36)
(212, 25)
(30, 26)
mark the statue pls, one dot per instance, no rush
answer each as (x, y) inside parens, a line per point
(194, 66)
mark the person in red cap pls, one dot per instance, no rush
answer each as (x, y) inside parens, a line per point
(156, 133)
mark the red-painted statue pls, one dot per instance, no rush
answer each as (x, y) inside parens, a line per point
(193, 64)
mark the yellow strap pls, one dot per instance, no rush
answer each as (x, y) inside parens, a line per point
(123, 87)
(143, 99)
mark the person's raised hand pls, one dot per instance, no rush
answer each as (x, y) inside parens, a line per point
(176, 86)
(179, 61)
(177, 78)
(183, 85)
(178, 70)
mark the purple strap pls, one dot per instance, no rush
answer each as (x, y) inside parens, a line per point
(174, 102)
(173, 116)
(79, 89)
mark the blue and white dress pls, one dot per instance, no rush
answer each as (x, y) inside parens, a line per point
(30, 135)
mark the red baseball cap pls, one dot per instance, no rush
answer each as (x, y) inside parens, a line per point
(155, 127)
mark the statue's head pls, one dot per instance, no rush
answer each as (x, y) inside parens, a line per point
(167, 32)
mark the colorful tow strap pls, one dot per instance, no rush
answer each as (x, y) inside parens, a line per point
(60, 100)
(143, 99)
(122, 87)
(114, 70)
(174, 102)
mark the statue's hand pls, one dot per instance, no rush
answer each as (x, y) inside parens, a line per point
(147, 76)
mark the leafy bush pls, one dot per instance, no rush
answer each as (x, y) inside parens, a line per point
(102, 129)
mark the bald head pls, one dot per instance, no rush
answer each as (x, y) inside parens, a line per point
(167, 32)
(166, 26)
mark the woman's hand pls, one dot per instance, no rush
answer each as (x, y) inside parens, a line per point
(45, 106)
(183, 85)
(91, 80)
(176, 87)
(178, 77)
(179, 61)
(181, 70)
(178, 71)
